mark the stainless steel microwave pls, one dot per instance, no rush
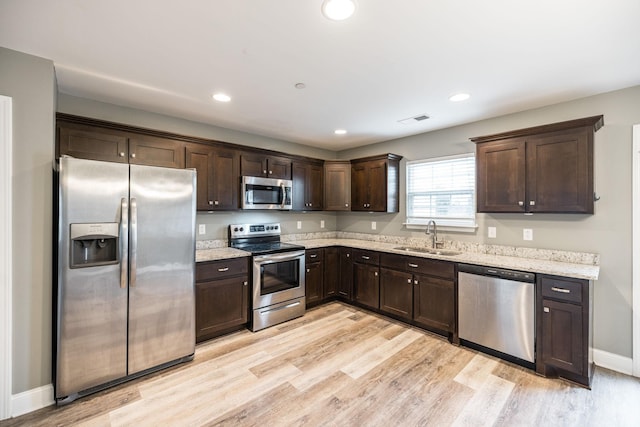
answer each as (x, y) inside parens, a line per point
(266, 193)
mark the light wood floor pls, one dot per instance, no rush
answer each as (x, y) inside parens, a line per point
(341, 366)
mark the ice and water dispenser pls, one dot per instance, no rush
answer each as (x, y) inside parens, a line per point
(94, 244)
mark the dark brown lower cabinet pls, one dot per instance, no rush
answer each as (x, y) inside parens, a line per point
(434, 302)
(345, 286)
(396, 293)
(366, 284)
(222, 297)
(564, 328)
(314, 269)
(331, 272)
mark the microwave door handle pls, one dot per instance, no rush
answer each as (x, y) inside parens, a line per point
(284, 193)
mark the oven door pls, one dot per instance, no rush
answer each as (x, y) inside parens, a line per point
(278, 278)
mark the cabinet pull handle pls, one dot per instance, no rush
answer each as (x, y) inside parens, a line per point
(348, 255)
(133, 155)
(313, 256)
(545, 309)
(415, 282)
(122, 154)
(216, 203)
(210, 202)
(409, 281)
(375, 273)
(561, 290)
(223, 269)
(346, 205)
(365, 257)
(270, 172)
(532, 202)
(245, 283)
(413, 265)
(520, 203)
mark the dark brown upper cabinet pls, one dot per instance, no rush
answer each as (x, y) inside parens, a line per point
(217, 175)
(258, 164)
(337, 185)
(544, 169)
(96, 140)
(375, 183)
(307, 186)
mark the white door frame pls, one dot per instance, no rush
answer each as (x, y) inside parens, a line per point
(635, 256)
(6, 262)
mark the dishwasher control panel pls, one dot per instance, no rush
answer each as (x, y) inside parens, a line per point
(519, 276)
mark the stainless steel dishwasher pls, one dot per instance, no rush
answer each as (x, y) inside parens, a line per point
(496, 309)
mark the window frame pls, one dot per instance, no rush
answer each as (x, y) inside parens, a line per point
(461, 225)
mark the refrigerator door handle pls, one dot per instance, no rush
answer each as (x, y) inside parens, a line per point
(124, 242)
(134, 242)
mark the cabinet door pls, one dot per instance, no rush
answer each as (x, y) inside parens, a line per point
(199, 157)
(560, 172)
(331, 272)
(93, 144)
(252, 164)
(225, 179)
(501, 176)
(562, 336)
(345, 286)
(337, 186)
(377, 182)
(367, 284)
(152, 151)
(396, 293)
(315, 185)
(221, 305)
(434, 302)
(279, 167)
(359, 187)
(299, 190)
(313, 285)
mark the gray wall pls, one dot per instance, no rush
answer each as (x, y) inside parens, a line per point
(30, 82)
(607, 232)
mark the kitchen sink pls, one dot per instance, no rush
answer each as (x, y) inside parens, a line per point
(444, 252)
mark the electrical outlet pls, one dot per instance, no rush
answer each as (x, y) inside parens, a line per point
(202, 228)
(527, 234)
(322, 223)
(373, 225)
(491, 231)
(299, 225)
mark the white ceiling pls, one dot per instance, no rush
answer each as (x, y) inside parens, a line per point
(392, 60)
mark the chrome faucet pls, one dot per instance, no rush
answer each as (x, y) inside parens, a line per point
(433, 233)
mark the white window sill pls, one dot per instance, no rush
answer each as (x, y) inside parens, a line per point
(444, 226)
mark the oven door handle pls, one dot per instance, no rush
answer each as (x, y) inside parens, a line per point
(271, 258)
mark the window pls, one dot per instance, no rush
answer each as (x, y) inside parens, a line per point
(442, 189)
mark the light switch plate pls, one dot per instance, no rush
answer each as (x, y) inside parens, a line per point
(299, 225)
(202, 228)
(322, 223)
(491, 231)
(527, 234)
(373, 225)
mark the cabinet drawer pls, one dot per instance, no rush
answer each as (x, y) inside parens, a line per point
(561, 289)
(419, 265)
(314, 255)
(212, 270)
(366, 257)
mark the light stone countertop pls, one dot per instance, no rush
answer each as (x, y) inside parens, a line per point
(219, 253)
(566, 269)
(585, 270)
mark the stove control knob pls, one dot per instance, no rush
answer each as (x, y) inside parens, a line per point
(276, 227)
(241, 228)
(235, 229)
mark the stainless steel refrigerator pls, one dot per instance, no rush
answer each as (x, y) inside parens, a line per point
(124, 297)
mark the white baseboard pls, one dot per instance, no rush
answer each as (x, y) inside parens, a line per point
(613, 361)
(31, 400)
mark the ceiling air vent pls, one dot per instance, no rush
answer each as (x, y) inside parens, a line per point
(415, 119)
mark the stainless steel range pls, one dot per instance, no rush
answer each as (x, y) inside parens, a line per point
(277, 275)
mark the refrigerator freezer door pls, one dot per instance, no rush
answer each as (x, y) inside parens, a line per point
(91, 337)
(161, 300)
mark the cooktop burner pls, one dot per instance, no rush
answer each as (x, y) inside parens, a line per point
(259, 239)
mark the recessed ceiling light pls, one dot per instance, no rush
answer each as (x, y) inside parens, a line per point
(300, 85)
(340, 131)
(221, 97)
(338, 10)
(459, 97)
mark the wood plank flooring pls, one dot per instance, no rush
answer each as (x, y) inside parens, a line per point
(342, 366)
